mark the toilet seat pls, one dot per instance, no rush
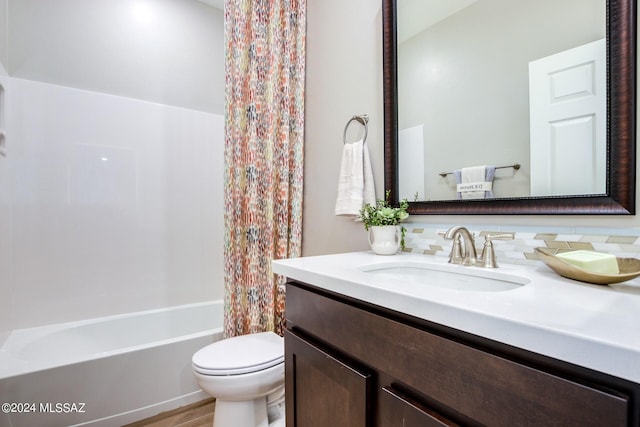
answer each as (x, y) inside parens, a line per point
(240, 355)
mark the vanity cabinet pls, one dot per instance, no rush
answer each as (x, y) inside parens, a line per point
(350, 363)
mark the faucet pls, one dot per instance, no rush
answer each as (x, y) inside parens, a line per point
(468, 255)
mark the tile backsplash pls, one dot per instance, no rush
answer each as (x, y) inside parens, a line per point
(424, 238)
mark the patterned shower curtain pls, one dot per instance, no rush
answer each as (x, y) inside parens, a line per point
(265, 68)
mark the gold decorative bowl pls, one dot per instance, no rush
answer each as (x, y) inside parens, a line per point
(629, 269)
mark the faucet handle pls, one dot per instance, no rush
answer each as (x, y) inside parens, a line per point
(488, 254)
(456, 256)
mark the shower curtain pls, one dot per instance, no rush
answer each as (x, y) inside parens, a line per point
(264, 68)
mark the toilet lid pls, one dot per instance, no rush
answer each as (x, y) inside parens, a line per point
(240, 355)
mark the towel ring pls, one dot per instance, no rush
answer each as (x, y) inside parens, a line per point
(363, 119)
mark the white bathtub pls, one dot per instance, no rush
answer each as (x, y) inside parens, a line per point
(107, 371)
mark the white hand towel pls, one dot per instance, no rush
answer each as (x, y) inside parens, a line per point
(355, 183)
(369, 184)
(470, 175)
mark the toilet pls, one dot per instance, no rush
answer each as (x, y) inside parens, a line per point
(245, 374)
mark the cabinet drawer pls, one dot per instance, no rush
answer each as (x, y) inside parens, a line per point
(482, 386)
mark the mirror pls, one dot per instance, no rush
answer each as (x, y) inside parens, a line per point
(614, 190)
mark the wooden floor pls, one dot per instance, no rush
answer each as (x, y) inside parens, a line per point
(199, 414)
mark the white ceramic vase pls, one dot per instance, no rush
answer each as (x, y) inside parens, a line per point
(384, 239)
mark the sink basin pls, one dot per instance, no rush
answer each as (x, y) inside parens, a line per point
(418, 276)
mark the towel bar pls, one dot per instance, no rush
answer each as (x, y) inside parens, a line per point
(363, 119)
(515, 166)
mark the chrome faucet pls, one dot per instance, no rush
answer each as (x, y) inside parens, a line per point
(461, 255)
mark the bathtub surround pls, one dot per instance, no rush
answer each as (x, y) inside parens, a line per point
(109, 213)
(265, 77)
(6, 309)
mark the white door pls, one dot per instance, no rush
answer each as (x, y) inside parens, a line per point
(568, 127)
(411, 163)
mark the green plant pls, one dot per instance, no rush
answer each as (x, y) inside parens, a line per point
(382, 213)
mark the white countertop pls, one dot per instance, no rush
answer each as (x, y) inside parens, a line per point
(594, 326)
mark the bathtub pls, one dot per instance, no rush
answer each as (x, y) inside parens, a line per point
(107, 371)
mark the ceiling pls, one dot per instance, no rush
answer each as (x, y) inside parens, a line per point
(415, 16)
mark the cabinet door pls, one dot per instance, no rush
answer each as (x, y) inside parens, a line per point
(397, 410)
(322, 391)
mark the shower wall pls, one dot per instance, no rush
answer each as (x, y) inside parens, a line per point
(111, 187)
(6, 310)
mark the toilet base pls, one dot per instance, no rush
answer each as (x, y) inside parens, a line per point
(249, 413)
(276, 415)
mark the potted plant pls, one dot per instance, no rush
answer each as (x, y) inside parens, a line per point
(382, 221)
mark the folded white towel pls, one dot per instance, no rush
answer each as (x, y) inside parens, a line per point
(473, 174)
(355, 183)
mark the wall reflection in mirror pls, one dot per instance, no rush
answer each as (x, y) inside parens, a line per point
(486, 84)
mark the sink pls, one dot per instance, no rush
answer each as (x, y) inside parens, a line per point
(417, 276)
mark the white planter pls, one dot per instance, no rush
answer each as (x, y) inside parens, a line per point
(384, 239)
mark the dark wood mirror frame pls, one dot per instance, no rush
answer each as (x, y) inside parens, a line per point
(621, 131)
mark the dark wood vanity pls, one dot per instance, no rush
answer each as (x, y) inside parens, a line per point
(351, 363)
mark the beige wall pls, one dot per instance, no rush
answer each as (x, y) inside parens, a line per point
(344, 77)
